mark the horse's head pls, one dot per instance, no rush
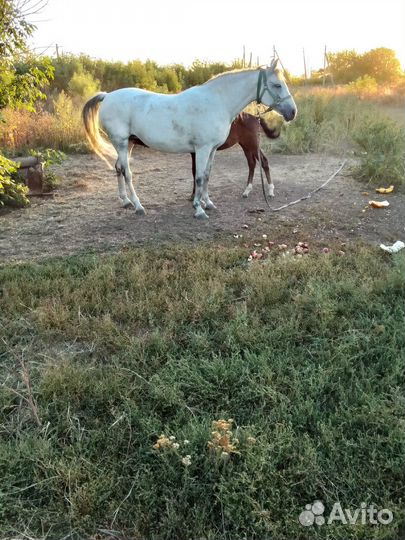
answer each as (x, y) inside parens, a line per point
(272, 91)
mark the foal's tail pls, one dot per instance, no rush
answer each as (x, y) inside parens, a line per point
(92, 127)
(271, 133)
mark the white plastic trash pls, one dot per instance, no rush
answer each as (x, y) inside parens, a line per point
(397, 246)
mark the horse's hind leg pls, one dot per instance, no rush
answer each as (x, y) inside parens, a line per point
(122, 192)
(266, 168)
(123, 160)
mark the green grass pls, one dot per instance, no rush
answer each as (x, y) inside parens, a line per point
(102, 354)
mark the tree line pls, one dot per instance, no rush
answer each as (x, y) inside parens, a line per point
(82, 75)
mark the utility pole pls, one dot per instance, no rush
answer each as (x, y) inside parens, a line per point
(57, 50)
(305, 65)
(244, 57)
(324, 67)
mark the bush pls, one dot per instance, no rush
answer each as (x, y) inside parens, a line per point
(322, 124)
(381, 144)
(83, 85)
(365, 86)
(13, 192)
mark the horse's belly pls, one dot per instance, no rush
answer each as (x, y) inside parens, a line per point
(165, 145)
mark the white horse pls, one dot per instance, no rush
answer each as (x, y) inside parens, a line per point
(195, 120)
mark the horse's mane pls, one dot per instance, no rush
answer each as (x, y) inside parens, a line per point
(230, 72)
(277, 71)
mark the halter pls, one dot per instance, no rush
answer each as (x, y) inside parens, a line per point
(262, 86)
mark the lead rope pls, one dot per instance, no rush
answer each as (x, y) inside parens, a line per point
(301, 198)
(260, 158)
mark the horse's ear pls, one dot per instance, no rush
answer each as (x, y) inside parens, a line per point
(274, 64)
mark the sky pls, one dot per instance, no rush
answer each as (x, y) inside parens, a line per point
(181, 31)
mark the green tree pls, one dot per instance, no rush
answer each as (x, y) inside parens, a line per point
(382, 65)
(344, 66)
(22, 77)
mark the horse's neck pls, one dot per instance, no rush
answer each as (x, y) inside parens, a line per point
(237, 90)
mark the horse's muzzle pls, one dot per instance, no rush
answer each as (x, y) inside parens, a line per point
(289, 114)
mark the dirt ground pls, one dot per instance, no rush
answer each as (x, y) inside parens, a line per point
(85, 214)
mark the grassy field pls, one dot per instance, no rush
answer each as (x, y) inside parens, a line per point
(101, 355)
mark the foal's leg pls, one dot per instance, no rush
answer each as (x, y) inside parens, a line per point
(122, 150)
(193, 171)
(251, 159)
(201, 178)
(266, 168)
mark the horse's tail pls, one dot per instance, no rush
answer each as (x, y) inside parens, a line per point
(92, 127)
(271, 133)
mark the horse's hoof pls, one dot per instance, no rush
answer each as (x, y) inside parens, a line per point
(140, 211)
(247, 191)
(128, 205)
(210, 206)
(201, 215)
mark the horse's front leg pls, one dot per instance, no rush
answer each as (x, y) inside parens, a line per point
(209, 205)
(203, 163)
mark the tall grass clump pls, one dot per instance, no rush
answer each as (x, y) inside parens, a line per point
(185, 393)
(381, 144)
(59, 128)
(324, 124)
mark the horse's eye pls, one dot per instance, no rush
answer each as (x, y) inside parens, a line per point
(277, 85)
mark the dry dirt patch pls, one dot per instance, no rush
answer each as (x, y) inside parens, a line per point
(85, 213)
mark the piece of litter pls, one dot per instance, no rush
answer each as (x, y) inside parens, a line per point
(385, 190)
(365, 193)
(264, 236)
(378, 204)
(397, 246)
(245, 226)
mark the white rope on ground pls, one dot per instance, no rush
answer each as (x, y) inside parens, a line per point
(313, 191)
(301, 198)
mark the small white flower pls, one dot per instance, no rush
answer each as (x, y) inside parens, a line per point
(172, 437)
(186, 441)
(176, 445)
(186, 460)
